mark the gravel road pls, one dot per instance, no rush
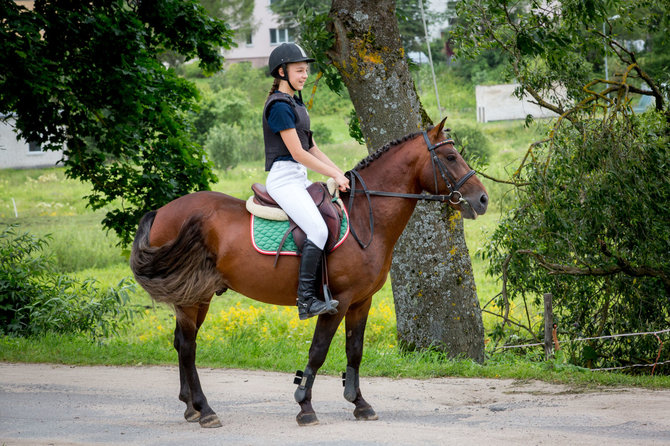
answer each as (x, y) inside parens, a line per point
(43, 404)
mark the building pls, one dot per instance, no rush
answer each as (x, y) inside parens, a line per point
(498, 103)
(21, 154)
(269, 33)
(257, 45)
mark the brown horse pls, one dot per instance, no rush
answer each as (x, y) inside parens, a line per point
(200, 244)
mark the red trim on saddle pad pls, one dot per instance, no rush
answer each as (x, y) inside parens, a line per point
(291, 253)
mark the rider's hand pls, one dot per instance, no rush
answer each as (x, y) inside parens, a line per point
(342, 182)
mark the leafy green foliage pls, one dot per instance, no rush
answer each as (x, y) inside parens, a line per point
(84, 76)
(592, 228)
(589, 222)
(252, 83)
(224, 143)
(355, 127)
(228, 127)
(325, 136)
(474, 143)
(317, 40)
(34, 300)
(19, 267)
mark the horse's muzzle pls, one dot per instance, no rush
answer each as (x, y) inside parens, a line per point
(472, 208)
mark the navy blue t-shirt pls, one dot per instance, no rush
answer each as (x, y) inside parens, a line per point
(281, 117)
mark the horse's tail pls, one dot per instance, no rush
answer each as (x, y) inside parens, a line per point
(180, 272)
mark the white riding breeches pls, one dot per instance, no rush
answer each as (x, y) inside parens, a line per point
(287, 184)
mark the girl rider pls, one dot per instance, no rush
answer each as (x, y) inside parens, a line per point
(289, 151)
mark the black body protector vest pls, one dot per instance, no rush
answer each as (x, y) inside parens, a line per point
(274, 145)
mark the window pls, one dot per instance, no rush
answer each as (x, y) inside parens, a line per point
(279, 35)
(249, 39)
(34, 147)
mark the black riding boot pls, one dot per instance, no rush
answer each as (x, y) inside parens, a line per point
(308, 279)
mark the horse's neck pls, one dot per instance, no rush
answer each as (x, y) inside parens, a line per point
(393, 172)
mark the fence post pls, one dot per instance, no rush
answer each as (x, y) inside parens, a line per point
(548, 325)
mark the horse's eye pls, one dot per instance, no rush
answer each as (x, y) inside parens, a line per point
(451, 157)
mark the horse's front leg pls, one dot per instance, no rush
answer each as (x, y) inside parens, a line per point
(189, 320)
(356, 319)
(326, 326)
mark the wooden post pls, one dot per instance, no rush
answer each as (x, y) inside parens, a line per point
(548, 325)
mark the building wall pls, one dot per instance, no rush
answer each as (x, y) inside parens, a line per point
(16, 153)
(260, 48)
(498, 103)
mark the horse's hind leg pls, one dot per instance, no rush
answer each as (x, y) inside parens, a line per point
(190, 413)
(326, 326)
(189, 320)
(356, 319)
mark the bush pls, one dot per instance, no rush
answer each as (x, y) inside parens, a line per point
(474, 144)
(322, 133)
(22, 264)
(592, 227)
(228, 106)
(34, 300)
(253, 84)
(229, 128)
(223, 144)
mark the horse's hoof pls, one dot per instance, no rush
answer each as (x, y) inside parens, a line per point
(210, 421)
(365, 413)
(307, 419)
(192, 415)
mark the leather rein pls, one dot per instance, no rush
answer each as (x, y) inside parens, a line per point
(454, 196)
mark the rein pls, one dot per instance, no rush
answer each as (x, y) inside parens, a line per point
(452, 185)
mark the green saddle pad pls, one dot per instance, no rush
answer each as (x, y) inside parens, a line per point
(267, 234)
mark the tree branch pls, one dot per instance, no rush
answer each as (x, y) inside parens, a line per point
(622, 266)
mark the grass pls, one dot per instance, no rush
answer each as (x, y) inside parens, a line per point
(242, 333)
(239, 332)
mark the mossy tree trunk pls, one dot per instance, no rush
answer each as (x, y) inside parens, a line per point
(433, 286)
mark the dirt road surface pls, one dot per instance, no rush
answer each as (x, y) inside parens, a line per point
(43, 404)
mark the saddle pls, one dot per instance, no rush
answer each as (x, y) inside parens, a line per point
(330, 210)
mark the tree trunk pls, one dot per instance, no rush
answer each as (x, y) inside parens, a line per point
(433, 287)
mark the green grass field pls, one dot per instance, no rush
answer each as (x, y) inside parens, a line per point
(243, 333)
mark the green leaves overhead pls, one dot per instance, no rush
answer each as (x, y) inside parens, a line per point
(84, 76)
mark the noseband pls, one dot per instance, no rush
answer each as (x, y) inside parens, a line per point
(452, 185)
(449, 180)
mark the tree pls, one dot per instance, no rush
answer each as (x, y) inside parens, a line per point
(85, 76)
(433, 287)
(590, 222)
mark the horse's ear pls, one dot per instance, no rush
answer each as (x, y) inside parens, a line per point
(438, 129)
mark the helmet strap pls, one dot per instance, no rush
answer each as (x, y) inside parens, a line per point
(285, 78)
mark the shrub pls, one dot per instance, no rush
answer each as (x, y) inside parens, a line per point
(322, 133)
(592, 227)
(22, 264)
(474, 143)
(228, 106)
(79, 307)
(35, 300)
(223, 144)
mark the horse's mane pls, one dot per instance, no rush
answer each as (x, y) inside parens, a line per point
(365, 162)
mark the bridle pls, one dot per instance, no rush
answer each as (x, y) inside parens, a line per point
(452, 185)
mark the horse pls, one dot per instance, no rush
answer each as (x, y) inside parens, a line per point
(200, 244)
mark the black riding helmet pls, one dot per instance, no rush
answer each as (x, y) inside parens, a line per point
(284, 54)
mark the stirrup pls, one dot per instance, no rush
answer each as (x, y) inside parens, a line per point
(314, 307)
